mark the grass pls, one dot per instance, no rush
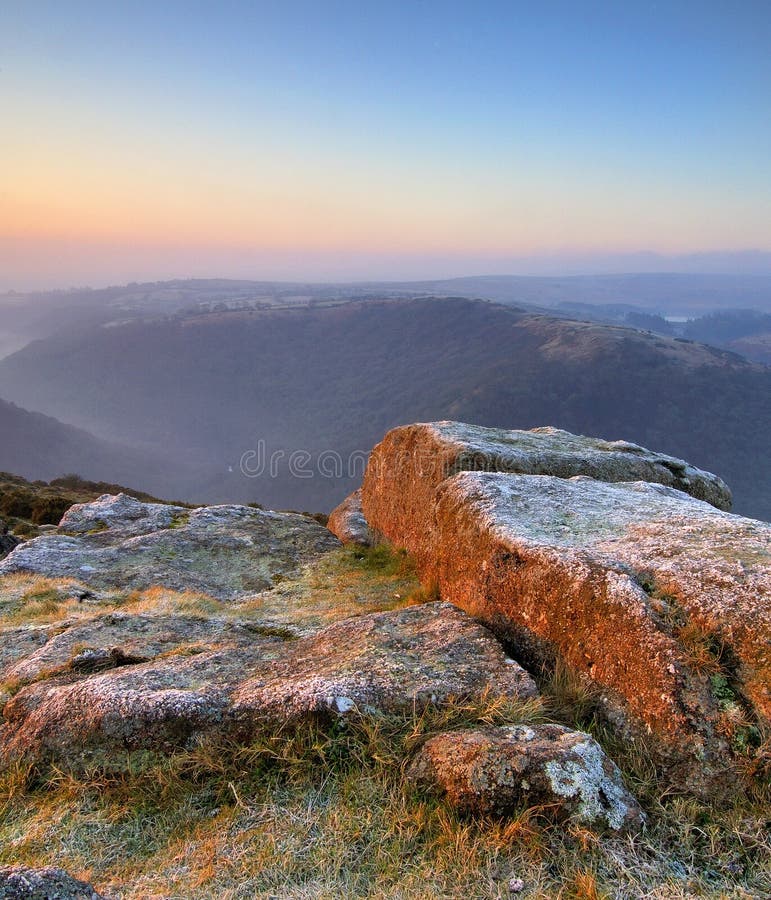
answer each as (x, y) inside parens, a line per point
(350, 581)
(328, 814)
(382, 559)
(31, 599)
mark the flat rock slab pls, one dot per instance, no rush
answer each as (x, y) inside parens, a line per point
(497, 771)
(423, 455)
(657, 597)
(118, 543)
(48, 883)
(234, 681)
(112, 640)
(420, 655)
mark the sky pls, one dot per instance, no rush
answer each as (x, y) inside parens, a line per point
(344, 140)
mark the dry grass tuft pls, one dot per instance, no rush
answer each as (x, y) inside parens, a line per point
(326, 812)
(32, 599)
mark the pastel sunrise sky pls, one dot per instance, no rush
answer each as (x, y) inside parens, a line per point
(340, 140)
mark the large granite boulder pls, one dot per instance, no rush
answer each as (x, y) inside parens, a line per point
(431, 452)
(658, 598)
(117, 683)
(118, 543)
(496, 771)
(49, 883)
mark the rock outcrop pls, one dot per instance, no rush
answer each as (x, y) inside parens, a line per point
(223, 551)
(112, 640)
(49, 883)
(347, 522)
(434, 451)
(494, 771)
(660, 599)
(139, 685)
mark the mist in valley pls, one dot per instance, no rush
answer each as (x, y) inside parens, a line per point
(274, 393)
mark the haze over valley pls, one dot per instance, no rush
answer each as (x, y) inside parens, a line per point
(186, 389)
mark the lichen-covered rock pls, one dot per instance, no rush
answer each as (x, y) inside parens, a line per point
(658, 598)
(118, 543)
(162, 705)
(112, 640)
(48, 883)
(386, 662)
(497, 770)
(411, 461)
(233, 680)
(347, 522)
(121, 514)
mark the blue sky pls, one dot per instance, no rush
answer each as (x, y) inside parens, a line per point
(337, 139)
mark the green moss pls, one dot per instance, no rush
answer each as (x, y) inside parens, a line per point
(99, 527)
(180, 520)
(286, 634)
(744, 735)
(722, 691)
(383, 559)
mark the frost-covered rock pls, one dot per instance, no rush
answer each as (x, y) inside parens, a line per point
(110, 641)
(347, 522)
(122, 683)
(659, 599)
(498, 770)
(437, 450)
(385, 662)
(121, 514)
(118, 543)
(48, 883)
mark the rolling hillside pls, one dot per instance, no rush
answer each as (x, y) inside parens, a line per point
(37, 446)
(204, 389)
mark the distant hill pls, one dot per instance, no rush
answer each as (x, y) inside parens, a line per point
(37, 446)
(202, 390)
(743, 331)
(662, 292)
(40, 314)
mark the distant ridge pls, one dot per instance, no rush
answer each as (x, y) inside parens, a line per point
(201, 389)
(37, 446)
